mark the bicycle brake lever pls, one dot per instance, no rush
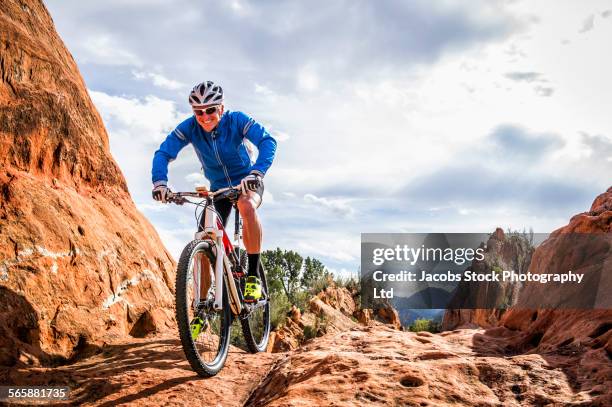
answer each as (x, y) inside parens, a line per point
(178, 200)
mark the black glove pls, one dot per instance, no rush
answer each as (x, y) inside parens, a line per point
(160, 193)
(251, 182)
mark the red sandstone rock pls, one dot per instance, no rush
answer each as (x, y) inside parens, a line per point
(388, 315)
(373, 365)
(149, 372)
(547, 330)
(381, 366)
(79, 264)
(338, 298)
(329, 311)
(364, 316)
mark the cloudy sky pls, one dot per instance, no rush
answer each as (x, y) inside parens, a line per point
(391, 116)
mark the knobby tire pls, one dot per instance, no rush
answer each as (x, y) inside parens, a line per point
(200, 366)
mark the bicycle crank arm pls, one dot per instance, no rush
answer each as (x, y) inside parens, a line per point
(248, 307)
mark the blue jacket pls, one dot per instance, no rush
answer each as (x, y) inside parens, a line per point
(222, 152)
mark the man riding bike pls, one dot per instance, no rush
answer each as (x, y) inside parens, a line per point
(217, 137)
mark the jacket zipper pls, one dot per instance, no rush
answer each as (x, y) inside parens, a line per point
(227, 177)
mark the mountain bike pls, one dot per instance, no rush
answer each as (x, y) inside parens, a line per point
(210, 280)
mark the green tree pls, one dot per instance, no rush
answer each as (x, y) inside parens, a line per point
(272, 260)
(422, 324)
(284, 268)
(314, 271)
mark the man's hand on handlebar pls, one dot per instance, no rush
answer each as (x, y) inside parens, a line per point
(251, 182)
(160, 193)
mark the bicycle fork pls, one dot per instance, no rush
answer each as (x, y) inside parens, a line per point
(218, 305)
(222, 264)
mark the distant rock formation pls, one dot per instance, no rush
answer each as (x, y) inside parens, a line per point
(79, 264)
(502, 253)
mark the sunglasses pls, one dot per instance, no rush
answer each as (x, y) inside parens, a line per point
(209, 110)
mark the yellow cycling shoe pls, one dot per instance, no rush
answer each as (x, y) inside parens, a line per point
(196, 327)
(252, 289)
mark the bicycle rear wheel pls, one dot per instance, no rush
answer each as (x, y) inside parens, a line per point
(256, 326)
(204, 331)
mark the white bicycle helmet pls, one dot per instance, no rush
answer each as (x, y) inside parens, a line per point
(206, 94)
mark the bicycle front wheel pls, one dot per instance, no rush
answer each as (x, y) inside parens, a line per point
(204, 331)
(256, 326)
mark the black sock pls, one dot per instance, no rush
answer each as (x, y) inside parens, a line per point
(253, 265)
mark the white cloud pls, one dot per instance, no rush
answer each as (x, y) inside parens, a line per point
(197, 179)
(265, 92)
(337, 250)
(136, 128)
(307, 79)
(105, 49)
(175, 239)
(159, 80)
(336, 206)
(281, 136)
(344, 273)
(588, 24)
(151, 207)
(414, 109)
(149, 118)
(268, 197)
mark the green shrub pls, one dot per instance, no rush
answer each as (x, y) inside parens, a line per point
(309, 332)
(350, 283)
(319, 285)
(321, 325)
(301, 299)
(422, 324)
(279, 308)
(236, 337)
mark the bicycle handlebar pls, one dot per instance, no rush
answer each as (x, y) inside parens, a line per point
(180, 198)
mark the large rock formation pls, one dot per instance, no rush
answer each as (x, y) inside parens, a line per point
(583, 334)
(502, 252)
(78, 263)
(549, 329)
(567, 248)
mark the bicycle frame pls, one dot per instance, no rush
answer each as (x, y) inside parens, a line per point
(215, 232)
(213, 229)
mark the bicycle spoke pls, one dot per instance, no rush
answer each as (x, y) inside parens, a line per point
(201, 297)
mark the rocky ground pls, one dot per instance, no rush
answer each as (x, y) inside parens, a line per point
(374, 365)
